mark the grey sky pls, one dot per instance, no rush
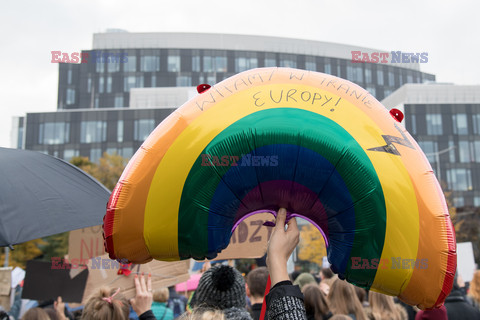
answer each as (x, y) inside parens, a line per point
(29, 30)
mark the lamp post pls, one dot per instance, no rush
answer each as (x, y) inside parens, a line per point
(437, 160)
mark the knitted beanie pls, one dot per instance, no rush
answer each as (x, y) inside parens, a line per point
(304, 279)
(221, 287)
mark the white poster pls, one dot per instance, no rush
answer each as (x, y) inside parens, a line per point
(465, 261)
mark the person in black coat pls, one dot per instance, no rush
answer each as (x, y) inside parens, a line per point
(457, 305)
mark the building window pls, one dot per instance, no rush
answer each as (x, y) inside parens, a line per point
(131, 65)
(89, 84)
(195, 64)
(184, 81)
(127, 152)
(100, 85)
(118, 102)
(409, 78)
(459, 179)
(328, 68)
(288, 61)
(350, 73)
(476, 201)
(97, 103)
(100, 66)
(310, 64)
(93, 131)
(109, 84)
(173, 63)
(221, 64)
(54, 133)
(270, 60)
(380, 78)
(434, 124)
(142, 128)
(372, 90)
(120, 131)
(451, 153)
(358, 71)
(245, 63)
(212, 79)
(391, 79)
(458, 202)
(460, 123)
(207, 64)
(464, 151)
(368, 74)
(132, 82)
(430, 148)
(69, 76)
(476, 150)
(153, 82)
(95, 154)
(113, 65)
(413, 121)
(476, 123)
(70, 96)
(68, 154)
(149, 63)
(111, 151)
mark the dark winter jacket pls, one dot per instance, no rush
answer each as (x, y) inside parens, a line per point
(458, 307)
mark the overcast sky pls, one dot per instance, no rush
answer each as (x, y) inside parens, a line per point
(30, 30)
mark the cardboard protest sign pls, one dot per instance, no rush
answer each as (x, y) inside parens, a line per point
(84, 244)
(250, 238)
(106, 272)
(42, 282)
(465, 261)
(5, 287)
(5, 281)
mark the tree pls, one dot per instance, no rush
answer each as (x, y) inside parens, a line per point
(107, 171)
(23, 252)
(312, 245)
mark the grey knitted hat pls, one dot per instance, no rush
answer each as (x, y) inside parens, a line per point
(221, 287)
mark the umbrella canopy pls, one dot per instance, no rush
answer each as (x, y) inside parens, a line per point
(41, 195)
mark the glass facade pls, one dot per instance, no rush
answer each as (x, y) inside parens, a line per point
(142, 129)
(104, 79)
(54, 133)
(449, 134)
(93, 131)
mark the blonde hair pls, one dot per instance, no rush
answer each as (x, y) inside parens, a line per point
(161, 295)
(474, 291)
(201, 313)
(99, 308)
(36, 314)
(383, 306)
(342, 299)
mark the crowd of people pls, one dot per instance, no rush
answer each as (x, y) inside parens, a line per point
(223, 293)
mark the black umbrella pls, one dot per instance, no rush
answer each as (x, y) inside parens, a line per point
(41, 195)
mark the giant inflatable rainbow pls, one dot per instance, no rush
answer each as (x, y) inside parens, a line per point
(318, 145)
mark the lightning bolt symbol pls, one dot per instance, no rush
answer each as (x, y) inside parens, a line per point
(390, 140)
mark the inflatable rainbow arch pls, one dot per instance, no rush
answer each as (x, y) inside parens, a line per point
(318, 145)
